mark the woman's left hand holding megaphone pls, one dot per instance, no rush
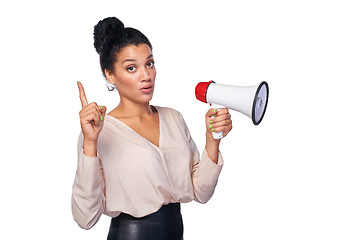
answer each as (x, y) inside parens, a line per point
(216, 121)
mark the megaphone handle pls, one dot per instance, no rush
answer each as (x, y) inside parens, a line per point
(217, 135)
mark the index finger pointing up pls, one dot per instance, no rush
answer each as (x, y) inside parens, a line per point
(82, 94)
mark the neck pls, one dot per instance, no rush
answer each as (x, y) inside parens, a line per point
(127, 108)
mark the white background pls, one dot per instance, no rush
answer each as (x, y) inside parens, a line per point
(295, 176)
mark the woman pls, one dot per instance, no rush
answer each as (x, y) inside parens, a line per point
(138, 163)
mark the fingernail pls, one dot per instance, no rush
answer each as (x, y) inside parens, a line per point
(214, 115)
(212, 129)
(211, 121)
(210, 126)
(102, 107)
(214, 110)
(101, 118)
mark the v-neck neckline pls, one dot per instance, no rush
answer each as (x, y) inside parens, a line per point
(136, 133)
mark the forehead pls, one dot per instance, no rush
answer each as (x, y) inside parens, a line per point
(136, 52)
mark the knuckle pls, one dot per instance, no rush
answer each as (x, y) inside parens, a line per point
(93, 104)
(82, 121)
(92, 115)
(81, 113)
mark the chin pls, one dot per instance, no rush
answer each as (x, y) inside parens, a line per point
(144, 99)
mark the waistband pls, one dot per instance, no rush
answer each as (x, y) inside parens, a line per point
(164, 224)
(169, 209)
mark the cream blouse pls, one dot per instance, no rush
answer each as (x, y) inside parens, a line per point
(134, 176)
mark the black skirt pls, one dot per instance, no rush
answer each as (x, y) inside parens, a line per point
(164, 224)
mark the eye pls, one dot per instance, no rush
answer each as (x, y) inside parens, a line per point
(150, 64)
(131, 69)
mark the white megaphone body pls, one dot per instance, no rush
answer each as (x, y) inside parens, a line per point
(251, 101)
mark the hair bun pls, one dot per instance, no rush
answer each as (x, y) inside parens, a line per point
(104, 30)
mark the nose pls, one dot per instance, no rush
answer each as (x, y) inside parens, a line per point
(145, 75)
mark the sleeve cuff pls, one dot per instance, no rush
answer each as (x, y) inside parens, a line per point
(205, 157)
(89, 168)
(83, 155)
(208, 166)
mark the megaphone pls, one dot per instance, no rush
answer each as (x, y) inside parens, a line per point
(251, 101)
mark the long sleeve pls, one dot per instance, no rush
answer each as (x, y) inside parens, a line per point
(88, 200)
(205, 173)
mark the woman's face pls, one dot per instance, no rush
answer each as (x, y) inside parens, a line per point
(134, 73)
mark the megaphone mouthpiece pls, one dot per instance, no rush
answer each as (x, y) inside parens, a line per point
(201, 90)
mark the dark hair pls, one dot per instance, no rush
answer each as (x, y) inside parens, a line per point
(110, 36)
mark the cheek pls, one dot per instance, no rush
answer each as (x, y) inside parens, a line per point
(153, 74)
(125, 80)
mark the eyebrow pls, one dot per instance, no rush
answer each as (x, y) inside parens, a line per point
(134, 60)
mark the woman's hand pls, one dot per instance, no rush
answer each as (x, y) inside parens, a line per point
(91, 120)
(220, 122)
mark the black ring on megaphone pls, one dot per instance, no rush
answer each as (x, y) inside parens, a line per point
(207, 90)
(254, 102)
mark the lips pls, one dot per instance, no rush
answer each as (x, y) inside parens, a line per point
(147, 88)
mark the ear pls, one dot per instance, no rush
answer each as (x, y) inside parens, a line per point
(109, 77)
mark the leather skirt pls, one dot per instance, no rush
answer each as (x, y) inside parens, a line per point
(165, 224)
